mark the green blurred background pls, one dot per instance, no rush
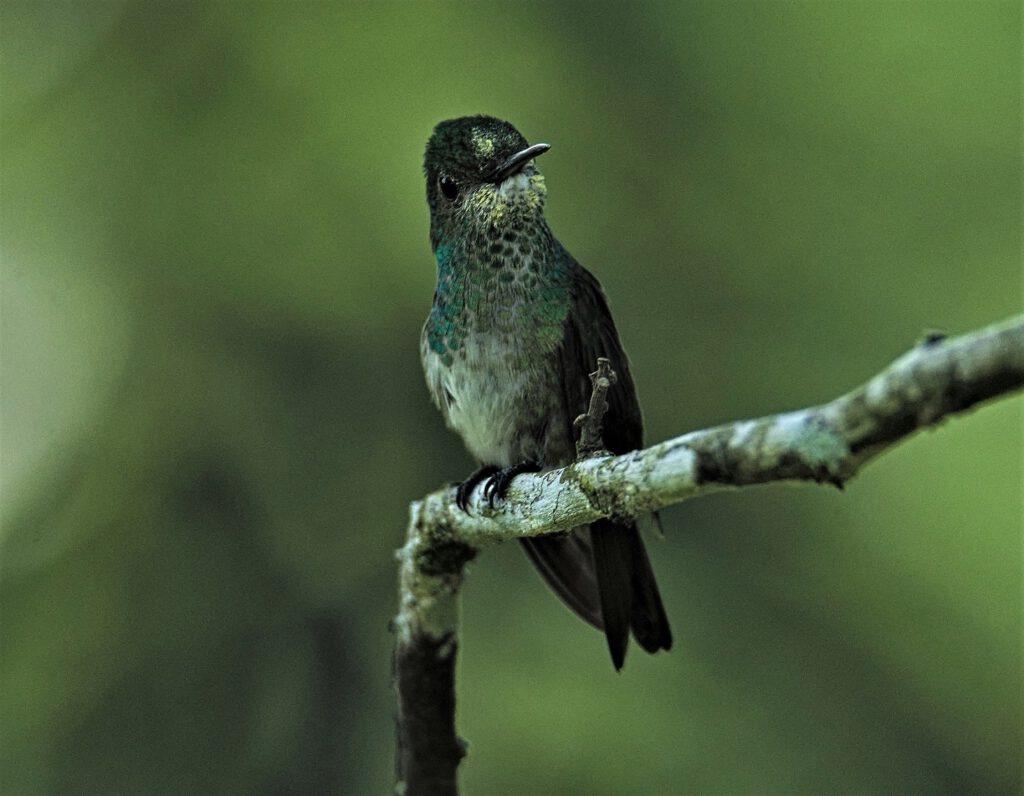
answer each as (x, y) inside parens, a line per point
(215, 269)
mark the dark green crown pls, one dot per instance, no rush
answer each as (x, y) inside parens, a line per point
(471, 147)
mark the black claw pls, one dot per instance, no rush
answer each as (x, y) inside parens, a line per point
(497, 485)
(465, 489)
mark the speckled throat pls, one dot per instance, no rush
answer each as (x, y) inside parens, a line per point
(507, 280)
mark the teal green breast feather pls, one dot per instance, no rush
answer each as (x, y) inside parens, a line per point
(489, 346)
(507, 288)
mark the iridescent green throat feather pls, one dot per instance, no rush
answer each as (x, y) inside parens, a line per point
(510, 280)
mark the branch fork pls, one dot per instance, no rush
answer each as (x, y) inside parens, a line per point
(939, 378)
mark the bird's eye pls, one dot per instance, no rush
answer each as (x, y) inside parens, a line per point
(448, 187)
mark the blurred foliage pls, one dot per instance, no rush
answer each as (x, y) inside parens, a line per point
(215, 267)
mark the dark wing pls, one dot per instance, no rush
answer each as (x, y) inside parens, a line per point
(603, 575)
(567, 564)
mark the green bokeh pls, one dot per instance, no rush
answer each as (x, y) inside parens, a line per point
(215, 268)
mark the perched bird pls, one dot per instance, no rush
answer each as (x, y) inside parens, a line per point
(515, 328)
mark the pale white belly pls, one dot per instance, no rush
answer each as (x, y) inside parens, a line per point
(486, 400)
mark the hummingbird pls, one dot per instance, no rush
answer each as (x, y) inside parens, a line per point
(515, 328)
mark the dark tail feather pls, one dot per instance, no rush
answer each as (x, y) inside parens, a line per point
(605, 577)
(613, 565)
(566, 563)
(650, 625)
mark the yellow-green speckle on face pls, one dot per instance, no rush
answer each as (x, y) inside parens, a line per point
(497, 212)
(484, 197)
(537, 191)
(482, 143)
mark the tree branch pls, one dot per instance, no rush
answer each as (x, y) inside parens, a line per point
(829, 443)
(589, 423)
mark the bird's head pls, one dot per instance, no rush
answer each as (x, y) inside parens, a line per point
(481, 177)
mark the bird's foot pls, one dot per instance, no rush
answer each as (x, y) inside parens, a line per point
(497, 485)
(465, 489)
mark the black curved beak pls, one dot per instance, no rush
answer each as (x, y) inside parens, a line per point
(515, 163)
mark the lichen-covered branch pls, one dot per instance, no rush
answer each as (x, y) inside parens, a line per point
(828, 444)
(427, 750)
